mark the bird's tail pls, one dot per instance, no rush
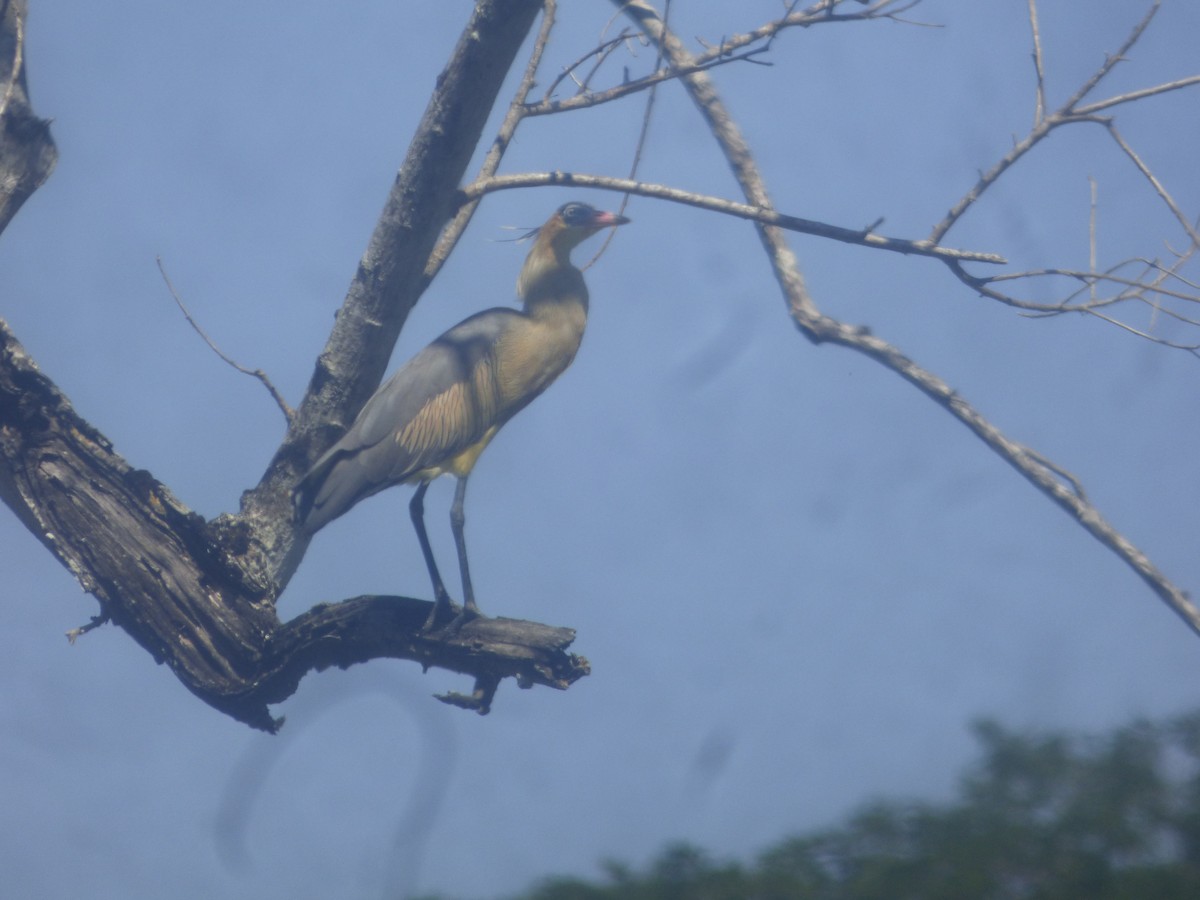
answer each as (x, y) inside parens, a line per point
(328, 490)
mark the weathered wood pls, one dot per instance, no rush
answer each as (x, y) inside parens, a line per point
(173, 582)
(370, 627)
(147, 558)
(200, 596)
(27, 152)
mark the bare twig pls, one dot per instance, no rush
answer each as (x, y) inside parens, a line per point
(639, 149)
(600, 53)
(820, 13)
(1144, 289)
(95, 622)
(1193, 349)
(1040, 108)
(1069, 112)
(1149, 287)
(766, 216)
(744, 47)
(1092, 254)
(820, 328)
(1133, 96)
(288, 412)
(1110, 61)
(1154, 183)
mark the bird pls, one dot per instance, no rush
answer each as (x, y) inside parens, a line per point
(439, 411)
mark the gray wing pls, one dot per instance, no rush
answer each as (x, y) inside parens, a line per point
(434, 407)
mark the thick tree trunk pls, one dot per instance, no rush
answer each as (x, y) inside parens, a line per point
(200, 596)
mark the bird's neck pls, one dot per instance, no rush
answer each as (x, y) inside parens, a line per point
(548, 280)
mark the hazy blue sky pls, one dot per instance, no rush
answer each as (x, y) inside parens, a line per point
(796, 579)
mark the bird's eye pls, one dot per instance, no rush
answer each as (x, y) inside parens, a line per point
(576, 213)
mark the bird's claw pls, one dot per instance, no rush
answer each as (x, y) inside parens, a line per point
(465, 615)
(444, 607)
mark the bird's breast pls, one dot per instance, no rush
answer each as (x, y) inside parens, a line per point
(537, 350)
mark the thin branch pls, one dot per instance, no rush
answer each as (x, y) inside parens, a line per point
(1141, 94)
(820, 13)
(639, 148)
(1193, 349)
(1110, 62)
(288, 412)
(765, 216)
(1130, 290)
(1043, 126)
(453, 231)
(95, 622)
(1154, 183)
(1092, 252)
(1149, 286)
(1040, 107)
(601, 52)
(821, 328)
(738, 48)
(992, 175)
(586, 100)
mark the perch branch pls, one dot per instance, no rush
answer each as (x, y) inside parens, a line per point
(199, 596)
(163, 575)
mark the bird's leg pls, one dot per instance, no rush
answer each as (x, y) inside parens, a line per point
(457, 520)
(441, 600)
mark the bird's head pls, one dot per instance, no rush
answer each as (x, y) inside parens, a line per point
(549, 259)
(571, 224)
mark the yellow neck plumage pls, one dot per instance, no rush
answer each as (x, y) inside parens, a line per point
(548, 275)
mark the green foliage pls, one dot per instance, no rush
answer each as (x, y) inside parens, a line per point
(1039, 817)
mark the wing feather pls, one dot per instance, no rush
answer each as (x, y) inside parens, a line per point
(438, 404)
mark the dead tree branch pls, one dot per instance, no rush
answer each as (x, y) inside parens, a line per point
(175, 584)
(259, 374)
(1066, 114)
(820, 328)
(745, 47)
(1104, 289)
(863, 237)
(27, 152)
(200, 596)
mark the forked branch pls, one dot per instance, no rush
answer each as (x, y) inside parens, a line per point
(749, 46)
(1161, 283)
(818, 327)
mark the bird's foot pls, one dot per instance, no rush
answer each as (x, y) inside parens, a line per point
(465, 615)
(443, 608)
(447, 617)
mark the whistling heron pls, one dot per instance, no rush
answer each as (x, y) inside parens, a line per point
(439, 411)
